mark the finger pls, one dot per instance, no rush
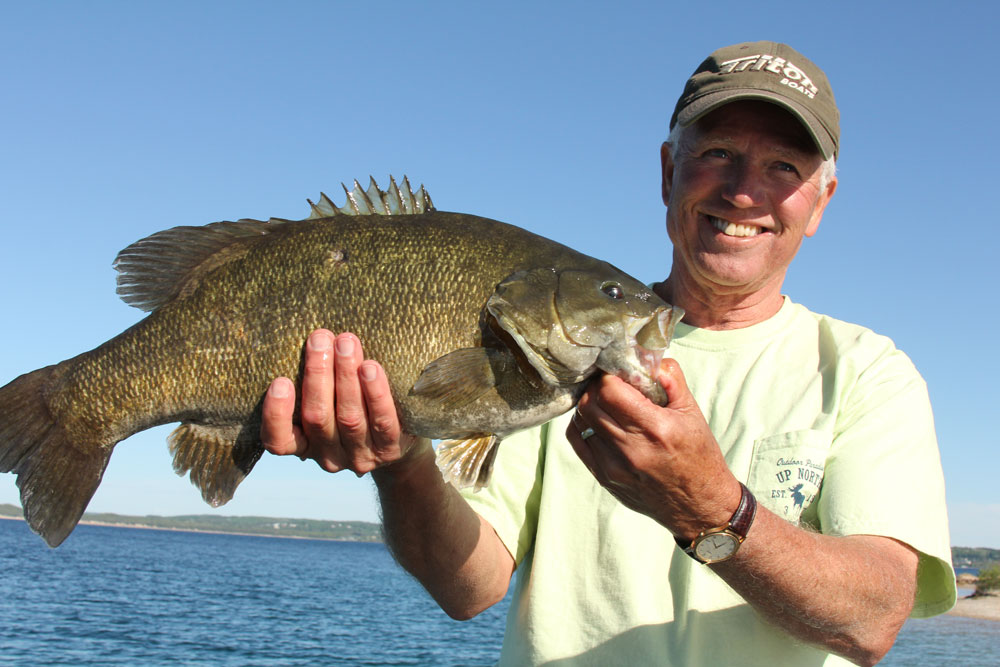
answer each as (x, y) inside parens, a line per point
(351, 416)
(317, 389)
(277, 430)
(610, 440)
(597, 458)
(574, 433)
(600, 457)
(592, 406)
(672, 379)
(384, 428)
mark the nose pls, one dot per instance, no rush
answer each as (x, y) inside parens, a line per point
(744, 188)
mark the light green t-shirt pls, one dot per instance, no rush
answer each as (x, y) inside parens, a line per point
(826, 422)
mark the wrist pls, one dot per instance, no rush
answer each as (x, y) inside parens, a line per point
(721, 542)
(717, 504)
(414, 462)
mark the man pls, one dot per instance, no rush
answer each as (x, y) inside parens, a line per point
(786, 506)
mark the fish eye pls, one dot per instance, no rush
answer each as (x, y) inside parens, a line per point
(613, 290)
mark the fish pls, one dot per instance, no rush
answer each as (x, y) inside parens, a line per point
(483, 328)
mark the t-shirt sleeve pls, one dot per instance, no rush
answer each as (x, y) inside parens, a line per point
(884, 477)
(510, 501)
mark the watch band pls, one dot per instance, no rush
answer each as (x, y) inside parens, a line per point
(739, 523)
(744, 515)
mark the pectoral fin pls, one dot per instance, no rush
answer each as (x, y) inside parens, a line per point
(459, 377)
(468, 462)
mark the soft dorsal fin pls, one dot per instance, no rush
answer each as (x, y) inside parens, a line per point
(161, 267)
(374, 201)
(169, 264)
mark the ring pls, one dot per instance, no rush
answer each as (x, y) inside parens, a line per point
(586, 433)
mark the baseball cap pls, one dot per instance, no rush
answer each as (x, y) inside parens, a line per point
(768, 71)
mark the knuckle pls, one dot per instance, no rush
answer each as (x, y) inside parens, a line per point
(363, 462)
(329, 465)
(351, 421)
(660, 434)
(278, 447)
(315, 365)
(314, 414)
(384, 426)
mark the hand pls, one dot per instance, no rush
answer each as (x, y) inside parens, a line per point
(661, 461)
(348, 418)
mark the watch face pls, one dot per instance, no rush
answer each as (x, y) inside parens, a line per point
(716, 547)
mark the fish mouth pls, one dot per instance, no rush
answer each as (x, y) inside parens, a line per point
(644, 374)
(735, 229)
(649, 346)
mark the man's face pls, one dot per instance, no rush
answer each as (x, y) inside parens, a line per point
(742, 190)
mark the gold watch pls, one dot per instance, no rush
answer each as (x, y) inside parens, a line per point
(715, 545)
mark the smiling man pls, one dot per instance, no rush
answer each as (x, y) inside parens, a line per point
(786, 507)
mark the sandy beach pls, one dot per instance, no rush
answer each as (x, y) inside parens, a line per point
(985, 607)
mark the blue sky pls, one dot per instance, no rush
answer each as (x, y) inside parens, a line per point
(120, 119)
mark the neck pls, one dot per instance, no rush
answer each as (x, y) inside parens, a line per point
(720, 310)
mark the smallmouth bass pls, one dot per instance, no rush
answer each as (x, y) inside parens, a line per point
(483, 329)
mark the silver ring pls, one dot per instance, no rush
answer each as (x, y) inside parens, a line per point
(586, 433)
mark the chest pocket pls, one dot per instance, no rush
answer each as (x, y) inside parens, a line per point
(787, 470)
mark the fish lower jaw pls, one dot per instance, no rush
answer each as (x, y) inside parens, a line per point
(734, 229)
(644, 377)
(645, 385)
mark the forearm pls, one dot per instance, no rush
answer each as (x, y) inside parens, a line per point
(848, 594)
(435, 535)
(349, 422)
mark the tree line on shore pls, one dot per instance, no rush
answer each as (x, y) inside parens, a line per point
(353, 531)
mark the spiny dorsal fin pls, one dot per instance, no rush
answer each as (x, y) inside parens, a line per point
(374, 201)
(161, 267)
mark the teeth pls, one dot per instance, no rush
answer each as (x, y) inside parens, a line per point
(733, 229)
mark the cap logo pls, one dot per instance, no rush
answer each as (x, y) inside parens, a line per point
(791, 75)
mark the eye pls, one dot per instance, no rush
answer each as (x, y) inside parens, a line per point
(787, 167)
(613, 290)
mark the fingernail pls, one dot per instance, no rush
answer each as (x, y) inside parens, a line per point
(345, 346)
(279, 388)
(319, 341)
(368, 372)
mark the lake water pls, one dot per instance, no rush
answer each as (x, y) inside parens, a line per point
(117, 596)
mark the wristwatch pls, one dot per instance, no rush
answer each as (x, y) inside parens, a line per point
(715, 545)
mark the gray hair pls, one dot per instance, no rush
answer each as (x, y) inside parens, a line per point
(827, 170)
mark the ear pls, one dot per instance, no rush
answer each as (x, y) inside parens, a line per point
(666, 171)
(824, 199)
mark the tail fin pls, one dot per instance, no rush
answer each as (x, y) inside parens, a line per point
(57, 476)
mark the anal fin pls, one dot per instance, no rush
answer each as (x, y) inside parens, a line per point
(218, 457)
(469, 461)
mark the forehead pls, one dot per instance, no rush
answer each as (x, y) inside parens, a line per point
(738, 121)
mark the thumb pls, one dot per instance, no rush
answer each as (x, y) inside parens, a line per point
(672, 380)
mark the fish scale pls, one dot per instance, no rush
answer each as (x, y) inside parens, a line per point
(483, 328)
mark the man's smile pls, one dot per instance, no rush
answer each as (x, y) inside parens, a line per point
(733, 228)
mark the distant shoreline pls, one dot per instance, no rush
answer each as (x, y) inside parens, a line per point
(140, 526)
(206, 531)
(983, 607)
(308, 529)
